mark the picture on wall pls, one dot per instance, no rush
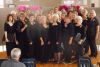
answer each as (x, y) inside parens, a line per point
(11, 5)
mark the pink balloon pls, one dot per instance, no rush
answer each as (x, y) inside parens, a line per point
(22, 8)
(35, 8)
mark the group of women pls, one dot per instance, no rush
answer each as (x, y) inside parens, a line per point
(56, 36)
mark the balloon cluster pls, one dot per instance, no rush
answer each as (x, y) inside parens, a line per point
(66, 7)
(24, 8)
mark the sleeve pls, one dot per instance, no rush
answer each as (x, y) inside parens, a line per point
(97, 22)
(5, 27)
(28, 33)
(72, 30)
(49, 33)
(18, 26)
(59, 36)
(39, 31)
(83, 32)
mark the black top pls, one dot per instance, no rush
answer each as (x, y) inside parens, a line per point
(10, 32)
(85, 21)
(91, 26)
(54, 32)
(21, 36)
(67, 31)
(81, 30)
(44, 33)
(34, 31)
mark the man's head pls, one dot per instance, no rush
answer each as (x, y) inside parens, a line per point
(15, 53)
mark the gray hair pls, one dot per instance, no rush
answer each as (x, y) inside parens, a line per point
(79, 18)
(15, 53)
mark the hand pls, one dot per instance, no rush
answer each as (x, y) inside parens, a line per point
(17, 43)
(70, 42)
(49, 42)
(42, 43)
(96, 37)
(23, 28)
(7, 40)
(80, 42)
(57, 43)
(30, 43)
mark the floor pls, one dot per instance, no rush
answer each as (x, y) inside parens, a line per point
(94, 60)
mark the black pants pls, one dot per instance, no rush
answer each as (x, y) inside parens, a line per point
(86, 46)
(24, 49)
(79, 52)
(92, 43)
(9, 47)
(45, 53)
(68, 53)
(37, 50)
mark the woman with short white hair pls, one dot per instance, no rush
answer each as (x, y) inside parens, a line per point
(92, 33)
(54, 39)
(78, 20)
(79, 36)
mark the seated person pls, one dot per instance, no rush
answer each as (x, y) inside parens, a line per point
(14, 61)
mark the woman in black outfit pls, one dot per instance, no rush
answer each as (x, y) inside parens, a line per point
(54, 34)
(21, 35)
(92, 33)
(84, 17)
(67, 31)
(84, 23)
(35, 38)
(79, 36)
(9, 29)
(44, 33)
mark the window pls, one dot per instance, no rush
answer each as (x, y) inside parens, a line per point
(68, 2)
(1, 3)
(2, 48)
(75, 2)
(24, 0)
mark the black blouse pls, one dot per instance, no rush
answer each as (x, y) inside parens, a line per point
(21, 36)
(44, 33)
(54, 32)
(10, 32)
(34, 32)
(91, 26)
(81, 30)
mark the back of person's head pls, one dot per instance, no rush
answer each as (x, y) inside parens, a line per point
(15, 53)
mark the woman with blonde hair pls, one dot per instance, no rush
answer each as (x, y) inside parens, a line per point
(79, 36)
(92, 33)
(54, 34)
